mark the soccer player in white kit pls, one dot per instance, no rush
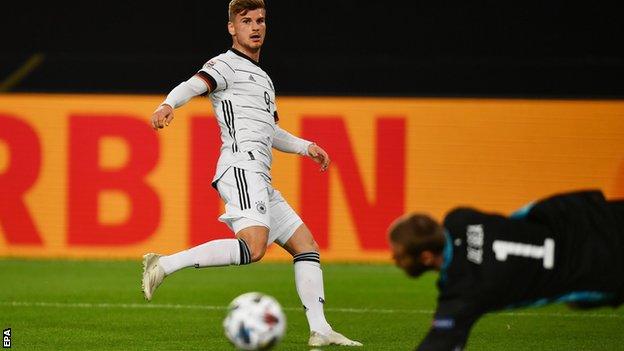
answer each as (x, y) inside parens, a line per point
(243, 98)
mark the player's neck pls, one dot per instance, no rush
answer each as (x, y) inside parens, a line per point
(252, 54)
(438, 262)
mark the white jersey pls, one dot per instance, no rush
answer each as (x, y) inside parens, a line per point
(243, 99)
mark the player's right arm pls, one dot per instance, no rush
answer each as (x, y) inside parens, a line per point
(213, 76)
(179, 96)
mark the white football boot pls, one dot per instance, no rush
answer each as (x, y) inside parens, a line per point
(331, 338)
(153, 275)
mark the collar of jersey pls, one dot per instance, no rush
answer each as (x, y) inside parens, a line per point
(244, 56)
(447, 256)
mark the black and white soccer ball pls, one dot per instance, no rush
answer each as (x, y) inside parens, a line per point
(254, 321)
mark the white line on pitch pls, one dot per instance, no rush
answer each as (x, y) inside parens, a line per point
(346, 310)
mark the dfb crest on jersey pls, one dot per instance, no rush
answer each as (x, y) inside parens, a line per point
(261, 207)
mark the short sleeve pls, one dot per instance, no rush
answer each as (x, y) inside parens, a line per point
(217, 73)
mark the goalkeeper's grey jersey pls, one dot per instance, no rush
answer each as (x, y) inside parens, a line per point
(243, 98)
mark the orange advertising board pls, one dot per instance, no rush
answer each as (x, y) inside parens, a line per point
(85, 176)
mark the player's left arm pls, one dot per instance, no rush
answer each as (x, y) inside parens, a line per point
(450, 327)
(444, 340)
(286, 142)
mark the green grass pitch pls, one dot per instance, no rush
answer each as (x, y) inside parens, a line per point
(97, 305)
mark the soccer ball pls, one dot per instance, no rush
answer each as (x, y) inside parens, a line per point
(255, 321)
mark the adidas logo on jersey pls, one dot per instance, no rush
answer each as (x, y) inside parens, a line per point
(251, 78)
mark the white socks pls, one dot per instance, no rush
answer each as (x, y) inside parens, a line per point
(309, 283)
(223, 252)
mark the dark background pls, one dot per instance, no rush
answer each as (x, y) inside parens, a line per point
(342, 47)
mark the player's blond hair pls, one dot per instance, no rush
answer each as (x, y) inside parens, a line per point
(243, 6)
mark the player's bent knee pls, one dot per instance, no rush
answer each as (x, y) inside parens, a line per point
(256, 240)
(257, 253)
(257, 248)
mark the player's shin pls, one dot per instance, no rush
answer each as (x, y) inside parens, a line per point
(309, 283)
(223, 252)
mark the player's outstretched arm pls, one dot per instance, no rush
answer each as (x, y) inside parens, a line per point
(438, 340)
(179, 96)
(286, 142)
(451, 326)
(162, 116)
(319, 156)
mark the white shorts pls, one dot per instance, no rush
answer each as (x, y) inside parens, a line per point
(250, 200)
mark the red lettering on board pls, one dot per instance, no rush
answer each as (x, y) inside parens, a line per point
(371, 215)
(86, 180)
(24, 152)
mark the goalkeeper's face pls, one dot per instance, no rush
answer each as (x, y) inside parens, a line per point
(248, 29)
(407, 261)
